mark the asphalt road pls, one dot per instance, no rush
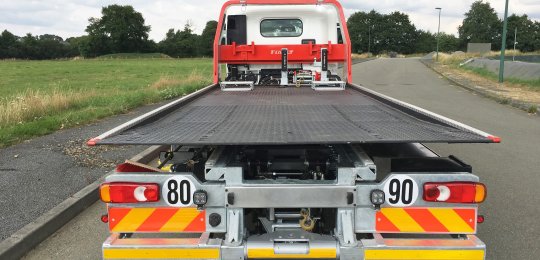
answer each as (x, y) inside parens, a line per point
(510, 169)
(38, 174)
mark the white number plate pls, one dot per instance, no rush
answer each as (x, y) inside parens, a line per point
(400, 191)
(178, 191)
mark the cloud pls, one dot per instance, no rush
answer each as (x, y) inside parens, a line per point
(70, 18)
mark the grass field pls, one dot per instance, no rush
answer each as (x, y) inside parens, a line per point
(135, 56)
(531, 84)
(454, 61)
(39, 97)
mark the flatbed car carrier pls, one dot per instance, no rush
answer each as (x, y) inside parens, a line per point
(283, 157)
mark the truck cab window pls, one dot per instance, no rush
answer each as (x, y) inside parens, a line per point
(281, 27)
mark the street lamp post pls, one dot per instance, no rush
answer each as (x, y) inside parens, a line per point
(515, 42)
(369, 39)
(438, 32)
(503, 46)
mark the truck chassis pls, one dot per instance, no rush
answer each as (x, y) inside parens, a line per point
(283, 157)
(270, 197)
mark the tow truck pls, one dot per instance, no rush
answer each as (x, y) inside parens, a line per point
(284, 157)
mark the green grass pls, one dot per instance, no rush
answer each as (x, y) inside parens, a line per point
(454, 60)
(135, 56)
(531, 84)
(40, 97)
(532, 109)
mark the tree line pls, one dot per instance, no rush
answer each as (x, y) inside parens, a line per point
(374, 32)
(121, 29)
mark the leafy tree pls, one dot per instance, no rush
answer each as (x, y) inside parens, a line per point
(481, 25)
(400, 33)
(206, 40)
(40, 47)
(180, 44)
(425, 42)
(168, 45)
(120, 29)
(537, 35)
(51, 47)
(527, 33)
(362, 30)
(448, 42)
(360, 26)
(29, 47)
(376, 32)
(76, 45)
(9, 45)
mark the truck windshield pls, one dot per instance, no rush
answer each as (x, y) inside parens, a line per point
(281, 27)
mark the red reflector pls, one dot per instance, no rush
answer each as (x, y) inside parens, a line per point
(129, 192)
(455, 192)
(105, 218)
(480, 219)
(494, 139)
(92, 142)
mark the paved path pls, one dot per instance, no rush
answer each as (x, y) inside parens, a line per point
(511, 170)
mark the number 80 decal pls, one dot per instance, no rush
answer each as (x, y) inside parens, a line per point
(400, 191)
(178, 191)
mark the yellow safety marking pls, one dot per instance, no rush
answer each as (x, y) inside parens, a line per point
(157, 253)
(451, 220)
(133, 219)
(393, 254)
(402, 220)
(480, 193)
(314, 253)
(180, 220)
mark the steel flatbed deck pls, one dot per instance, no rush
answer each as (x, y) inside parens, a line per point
(282, 116)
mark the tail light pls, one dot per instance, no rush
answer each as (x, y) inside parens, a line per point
(455, 192)
(128, 192)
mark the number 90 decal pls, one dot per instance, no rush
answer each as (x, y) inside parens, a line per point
(178, 191)
(400, 191)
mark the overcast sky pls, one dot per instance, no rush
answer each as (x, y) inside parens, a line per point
(70, 18)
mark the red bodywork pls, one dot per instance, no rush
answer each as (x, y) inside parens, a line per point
(264, 54)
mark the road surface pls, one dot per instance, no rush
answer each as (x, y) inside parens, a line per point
(510, 170)
(38, 174)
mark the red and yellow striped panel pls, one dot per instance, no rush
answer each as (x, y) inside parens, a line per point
(157, 220)
(426, 220)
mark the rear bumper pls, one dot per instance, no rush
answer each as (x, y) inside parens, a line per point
(160, 248)
(469, 247)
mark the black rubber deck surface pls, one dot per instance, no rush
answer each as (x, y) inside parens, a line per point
(269, 115)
